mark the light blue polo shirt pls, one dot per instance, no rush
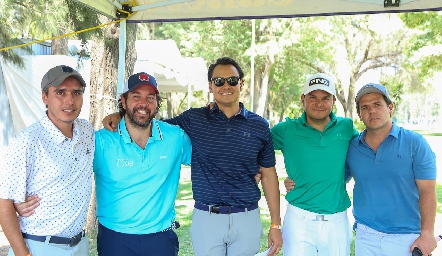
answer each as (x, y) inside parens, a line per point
(385, 196)
(136, 188)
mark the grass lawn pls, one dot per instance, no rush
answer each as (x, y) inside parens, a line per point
(184, 207)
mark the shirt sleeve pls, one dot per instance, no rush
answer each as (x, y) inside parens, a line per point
(278, 133)
(424, 160)
(187, 150)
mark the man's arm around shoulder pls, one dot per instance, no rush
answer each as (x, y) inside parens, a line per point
(11, 227)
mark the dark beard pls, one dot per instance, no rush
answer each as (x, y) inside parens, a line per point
(140, 124)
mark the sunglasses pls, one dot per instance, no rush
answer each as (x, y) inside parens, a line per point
(219, 81)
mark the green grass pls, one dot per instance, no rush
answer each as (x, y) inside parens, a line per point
(439, 198)
(184, 208)
(428, 133)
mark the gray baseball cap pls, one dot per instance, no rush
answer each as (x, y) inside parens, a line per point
(56, 75)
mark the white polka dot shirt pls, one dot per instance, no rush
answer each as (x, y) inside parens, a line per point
(42, 161)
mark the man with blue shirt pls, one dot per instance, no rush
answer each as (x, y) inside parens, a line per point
(394, 198)
(137, 171)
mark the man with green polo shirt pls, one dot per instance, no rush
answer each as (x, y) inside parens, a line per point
(314, 148)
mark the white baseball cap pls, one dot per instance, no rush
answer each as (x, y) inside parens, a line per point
(319, 81)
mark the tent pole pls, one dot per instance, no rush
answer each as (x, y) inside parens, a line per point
(252, 68)
(121, 58)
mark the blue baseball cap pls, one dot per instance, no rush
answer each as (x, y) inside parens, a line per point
(138, 79)
(370, 88)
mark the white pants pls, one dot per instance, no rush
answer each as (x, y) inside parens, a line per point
(370, 242)
(310, 234)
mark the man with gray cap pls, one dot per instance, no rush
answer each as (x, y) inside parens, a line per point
(314, 148)
(394, 196)
(51, 159)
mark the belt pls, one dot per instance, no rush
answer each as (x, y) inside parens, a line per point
(223, 209)
(175, 225)
(307, 215)
(73, 241)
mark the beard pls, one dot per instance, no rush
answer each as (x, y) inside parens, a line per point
(141, 123)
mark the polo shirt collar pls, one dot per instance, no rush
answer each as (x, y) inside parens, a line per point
(155, 135)
(242, 112)
(394, 132)
(55, 133)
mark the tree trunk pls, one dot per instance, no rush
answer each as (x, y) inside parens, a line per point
(260, 110)
(59, 46)
(169, 104)
(104, 72)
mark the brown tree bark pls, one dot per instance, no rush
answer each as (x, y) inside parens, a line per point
(104, 77)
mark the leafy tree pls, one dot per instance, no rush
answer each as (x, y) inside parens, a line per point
(429, 37)
(356, 48)
(9, 33)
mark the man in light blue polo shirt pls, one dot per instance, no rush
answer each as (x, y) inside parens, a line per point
(394, 198)
(137, 171)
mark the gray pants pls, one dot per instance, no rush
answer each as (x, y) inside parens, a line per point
(236, 234)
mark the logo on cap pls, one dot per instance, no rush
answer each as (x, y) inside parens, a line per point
(67, 69)
(319, 81)
(144, 77)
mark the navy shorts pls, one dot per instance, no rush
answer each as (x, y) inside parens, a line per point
(112, 243)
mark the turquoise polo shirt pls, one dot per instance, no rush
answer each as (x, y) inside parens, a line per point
(385, 195)
(315, 160)
(136, 188)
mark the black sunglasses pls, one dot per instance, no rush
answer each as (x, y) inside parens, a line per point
(219, 81)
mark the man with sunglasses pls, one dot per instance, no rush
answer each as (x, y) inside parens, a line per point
(52, 159)
(229, 146)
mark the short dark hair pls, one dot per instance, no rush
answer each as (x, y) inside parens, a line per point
(124, 95)
(386, 99)
(224, 61)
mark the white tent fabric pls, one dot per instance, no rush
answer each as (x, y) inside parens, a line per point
(163, 60)
(178, 10)
(23, 90)
(6, 128)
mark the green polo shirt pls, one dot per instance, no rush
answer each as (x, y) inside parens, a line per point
(316, 162)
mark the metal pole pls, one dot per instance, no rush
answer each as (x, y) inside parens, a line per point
(252, 68)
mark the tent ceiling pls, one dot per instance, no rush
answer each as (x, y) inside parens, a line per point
(179, 10)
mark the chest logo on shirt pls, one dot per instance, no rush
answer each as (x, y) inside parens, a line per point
(124, 163)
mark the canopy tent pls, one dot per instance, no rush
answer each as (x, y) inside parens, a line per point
(181, 10)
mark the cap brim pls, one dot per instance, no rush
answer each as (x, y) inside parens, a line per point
(61, 79)
(151, 85)
(367, 91)
(322, 88)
